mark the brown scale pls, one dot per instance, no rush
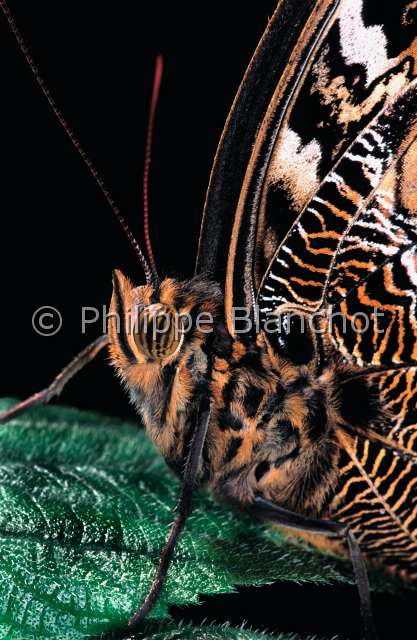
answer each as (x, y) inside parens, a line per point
(273, 425)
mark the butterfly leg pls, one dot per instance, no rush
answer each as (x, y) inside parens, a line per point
(54, 389)
(268, 511)
(184, 507)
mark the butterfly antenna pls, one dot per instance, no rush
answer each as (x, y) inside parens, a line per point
(159, 66)
(75, 142)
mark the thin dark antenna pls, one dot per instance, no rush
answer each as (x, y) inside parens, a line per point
(71, 135)
(159, 67)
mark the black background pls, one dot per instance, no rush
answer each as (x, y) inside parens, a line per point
(60, 242)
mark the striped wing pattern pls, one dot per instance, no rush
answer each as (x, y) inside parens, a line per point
(399, 392)
(376, 323)
(373, 281)
(367, 58)
(303, 264)
(383, 229)
(377, 492)
(377, 497)
(338, 233)
(301, 269)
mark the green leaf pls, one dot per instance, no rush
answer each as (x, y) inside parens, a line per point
(213, 632)
(167, 631)
(85, 505)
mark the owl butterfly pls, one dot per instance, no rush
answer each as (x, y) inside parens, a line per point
(298, 406)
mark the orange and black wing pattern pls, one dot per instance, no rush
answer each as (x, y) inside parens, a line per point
(349, 254)
(229, 239)
(312, 206)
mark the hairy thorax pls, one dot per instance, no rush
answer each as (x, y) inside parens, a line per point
(274, 424)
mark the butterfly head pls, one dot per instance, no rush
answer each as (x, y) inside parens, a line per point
(158, 345)
(149, 326)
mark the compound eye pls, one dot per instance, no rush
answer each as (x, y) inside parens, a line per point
(159, 331)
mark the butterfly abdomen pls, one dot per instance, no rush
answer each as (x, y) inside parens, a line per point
(273, 432)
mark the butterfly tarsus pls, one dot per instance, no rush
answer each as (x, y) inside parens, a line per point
(362, 583)
(55, 388)
(271, 512)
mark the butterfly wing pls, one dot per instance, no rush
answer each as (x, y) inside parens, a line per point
(228, 241)
(304, 263)
(351, 253)
(312, 204)
(366, 59)
(377, 497)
